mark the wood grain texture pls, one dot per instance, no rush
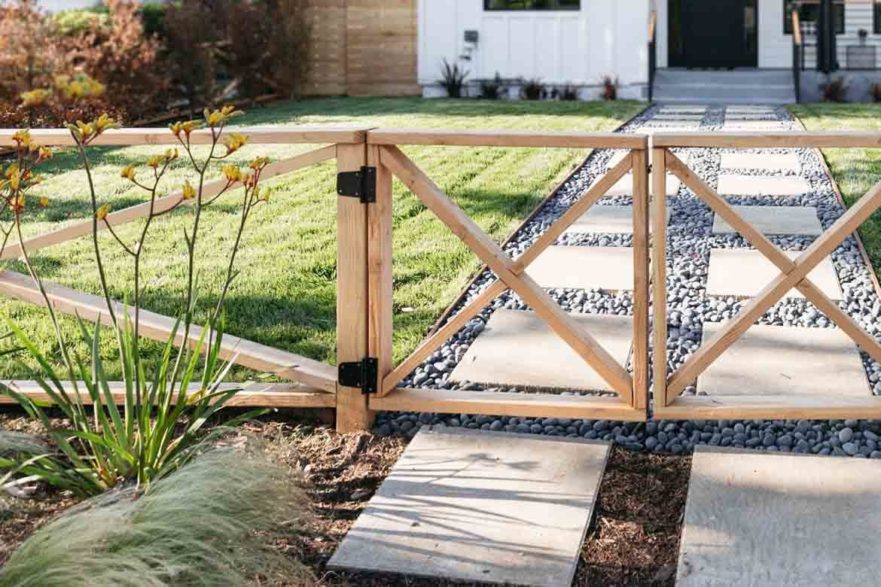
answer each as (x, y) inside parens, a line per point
(801, 267)
(503, 266)
(379, 269)
(640, 356)
(249, 394)
(428, 346)
(768, 140)
(157, 327)
(352, 293)
(659, 276)
(506, 138)
(163, 204)
(525, 405)
(746, 407)
(261, 135)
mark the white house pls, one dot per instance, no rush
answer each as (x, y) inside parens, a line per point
(560, 42)
(580, 42)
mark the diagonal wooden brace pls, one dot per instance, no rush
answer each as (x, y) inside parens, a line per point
(428, 346)
(502, 265)
(776, 256)
(793, 274)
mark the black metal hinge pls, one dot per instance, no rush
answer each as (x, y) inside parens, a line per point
(358, 184)
(363, 374)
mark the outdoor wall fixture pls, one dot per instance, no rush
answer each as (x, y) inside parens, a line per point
(471, 38)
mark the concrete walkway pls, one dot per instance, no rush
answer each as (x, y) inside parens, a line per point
(479, 506)
(780, 520)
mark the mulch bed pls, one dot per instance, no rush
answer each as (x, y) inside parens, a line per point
(634, 539)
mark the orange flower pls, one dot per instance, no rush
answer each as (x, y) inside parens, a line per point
(184, 127)
(128, 172)
(102, 212)
(35, 98)
(234, 142)
(217, 117)
(232, 173)
(188, 192)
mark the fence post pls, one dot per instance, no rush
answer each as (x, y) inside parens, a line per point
(639, 162)
(352, 412)
(379, 268)
(659, 276)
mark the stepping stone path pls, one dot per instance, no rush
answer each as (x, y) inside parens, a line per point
(744, 273)
(785, 361)
(519, 349)
(606, 220)
(787, 162)
(624, 186)
(792, 350)
(607, 268)
(479, 506)
(769, 520)
(775, 220)
(758, 185)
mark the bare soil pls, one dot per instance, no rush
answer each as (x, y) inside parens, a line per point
(634, 539)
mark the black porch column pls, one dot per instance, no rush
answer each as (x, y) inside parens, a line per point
(827, 58)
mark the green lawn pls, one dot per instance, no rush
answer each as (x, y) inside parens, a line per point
(285, 295)
(855, 170)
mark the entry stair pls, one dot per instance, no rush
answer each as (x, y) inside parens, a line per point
(738, 86)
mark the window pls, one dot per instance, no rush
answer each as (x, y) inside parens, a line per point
(876, 19)
(532, 4)
(809, 14)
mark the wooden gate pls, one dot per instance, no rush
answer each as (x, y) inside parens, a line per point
(631, 400)
(668, 387)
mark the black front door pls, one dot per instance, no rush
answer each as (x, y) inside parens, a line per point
(714, 33)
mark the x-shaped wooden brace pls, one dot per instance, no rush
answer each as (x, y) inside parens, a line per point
(793, 273)
(511, 273)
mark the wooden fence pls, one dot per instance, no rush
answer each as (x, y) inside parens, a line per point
(668, 387)
(367, 380)
(362, 48)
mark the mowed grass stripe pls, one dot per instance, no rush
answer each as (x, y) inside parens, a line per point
(286, 293)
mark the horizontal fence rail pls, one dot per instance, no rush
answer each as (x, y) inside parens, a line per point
(366, 379)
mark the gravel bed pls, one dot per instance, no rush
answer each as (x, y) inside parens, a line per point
(690, 240)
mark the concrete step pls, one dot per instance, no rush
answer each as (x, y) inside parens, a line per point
(717, 87)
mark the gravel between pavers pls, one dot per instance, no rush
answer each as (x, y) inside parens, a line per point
(689, 242)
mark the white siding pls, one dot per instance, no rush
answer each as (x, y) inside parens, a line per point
(775, 48)
(605, 37)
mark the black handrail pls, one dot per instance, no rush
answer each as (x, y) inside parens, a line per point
(653, 57)
(798, 54)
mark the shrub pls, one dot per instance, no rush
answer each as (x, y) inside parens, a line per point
(532, 89)
(610, 88)
(569, 93)
(28, 57)
(453, 79)
(835, 90)
(159, 426)
(247, 30)
(120, 55)
(153, 17)
(209, 523)
(73, 22)
(491, 89)
(190, 39)
(288, 45)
